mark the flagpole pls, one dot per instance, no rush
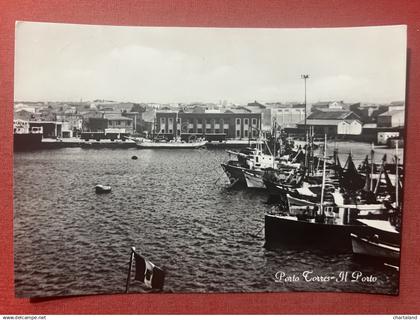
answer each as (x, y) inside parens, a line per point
(133, 250)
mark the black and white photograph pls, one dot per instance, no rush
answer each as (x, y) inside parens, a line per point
(207, 160)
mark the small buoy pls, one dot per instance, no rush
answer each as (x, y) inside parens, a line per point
(99, 188)
(134, 157)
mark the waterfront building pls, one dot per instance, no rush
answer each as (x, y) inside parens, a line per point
(50, 129)
(392, 118)
(333, 123)
(287, 115)
(231, 124)
(117, 121)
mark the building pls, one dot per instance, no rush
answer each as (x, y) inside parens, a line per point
(392, 118)
(50, 129)
(93, 124)
(288, 115)
(265, 111)
(231, 124)
(333, 123)
(328, 105)
(119, 122)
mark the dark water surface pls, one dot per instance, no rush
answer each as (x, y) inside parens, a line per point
(174, 207)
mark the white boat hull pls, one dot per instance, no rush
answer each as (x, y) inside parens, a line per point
(366, 247)
(170, 145)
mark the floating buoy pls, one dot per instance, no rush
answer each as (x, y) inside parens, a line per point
(99, 188)
(134, 157)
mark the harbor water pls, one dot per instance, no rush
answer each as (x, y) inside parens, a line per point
(175, 208)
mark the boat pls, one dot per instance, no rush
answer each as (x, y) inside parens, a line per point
(373, 247)
(176, 143)
(329, 232)
(323, 224)
(250, 159)
(254, 179)
(99, 188)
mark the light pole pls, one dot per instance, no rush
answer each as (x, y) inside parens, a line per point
(304, 77)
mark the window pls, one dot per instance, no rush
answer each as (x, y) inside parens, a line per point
(162, 131)
(170, 120)
(254, 122)
(117, 122)
(238, 133)
(208, 121)
(190, 131)
(208, 130)
(238, 121)
(226, 131)
(170, 131)
(246, 133)
(162, 120)
(199, 121)
(199, 130)
(246, 122)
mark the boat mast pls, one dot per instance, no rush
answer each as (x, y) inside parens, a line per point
(371, 167)
(323, 175)
(275, 142)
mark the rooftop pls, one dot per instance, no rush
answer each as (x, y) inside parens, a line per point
(391, 113)
(320, 122)
(114, 116)
(333, 115)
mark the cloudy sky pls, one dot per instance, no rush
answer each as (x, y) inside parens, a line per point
(64, 62)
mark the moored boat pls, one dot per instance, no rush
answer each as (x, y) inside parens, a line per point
(372, 247)
(172, 144)
(254, 180)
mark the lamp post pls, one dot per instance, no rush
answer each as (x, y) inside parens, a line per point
(304, 77)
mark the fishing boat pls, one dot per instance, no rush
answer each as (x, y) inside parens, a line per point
(176, 143)
(254, 179)
(382, 239)
(251, 160)
(324, 224)
(323, 231)
(373, 247)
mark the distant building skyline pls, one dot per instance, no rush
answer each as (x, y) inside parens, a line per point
(63, 62)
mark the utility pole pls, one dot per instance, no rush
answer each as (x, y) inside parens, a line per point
(304, 77)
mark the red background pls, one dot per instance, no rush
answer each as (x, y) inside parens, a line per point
(219, 13)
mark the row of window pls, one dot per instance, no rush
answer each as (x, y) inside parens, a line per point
(119, 123)
(210, 131)
(208, 121)
(246, 121)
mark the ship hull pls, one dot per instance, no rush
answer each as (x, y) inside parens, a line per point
(254, 180)
(281, 230)
(170, 145)
(235, 174)
(366, 247)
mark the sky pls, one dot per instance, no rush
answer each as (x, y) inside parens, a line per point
(69, 62)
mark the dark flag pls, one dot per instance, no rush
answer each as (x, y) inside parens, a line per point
(148, 273)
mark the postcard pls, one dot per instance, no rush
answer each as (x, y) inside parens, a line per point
(201, 160)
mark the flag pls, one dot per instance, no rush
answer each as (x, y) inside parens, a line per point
(146, 272)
